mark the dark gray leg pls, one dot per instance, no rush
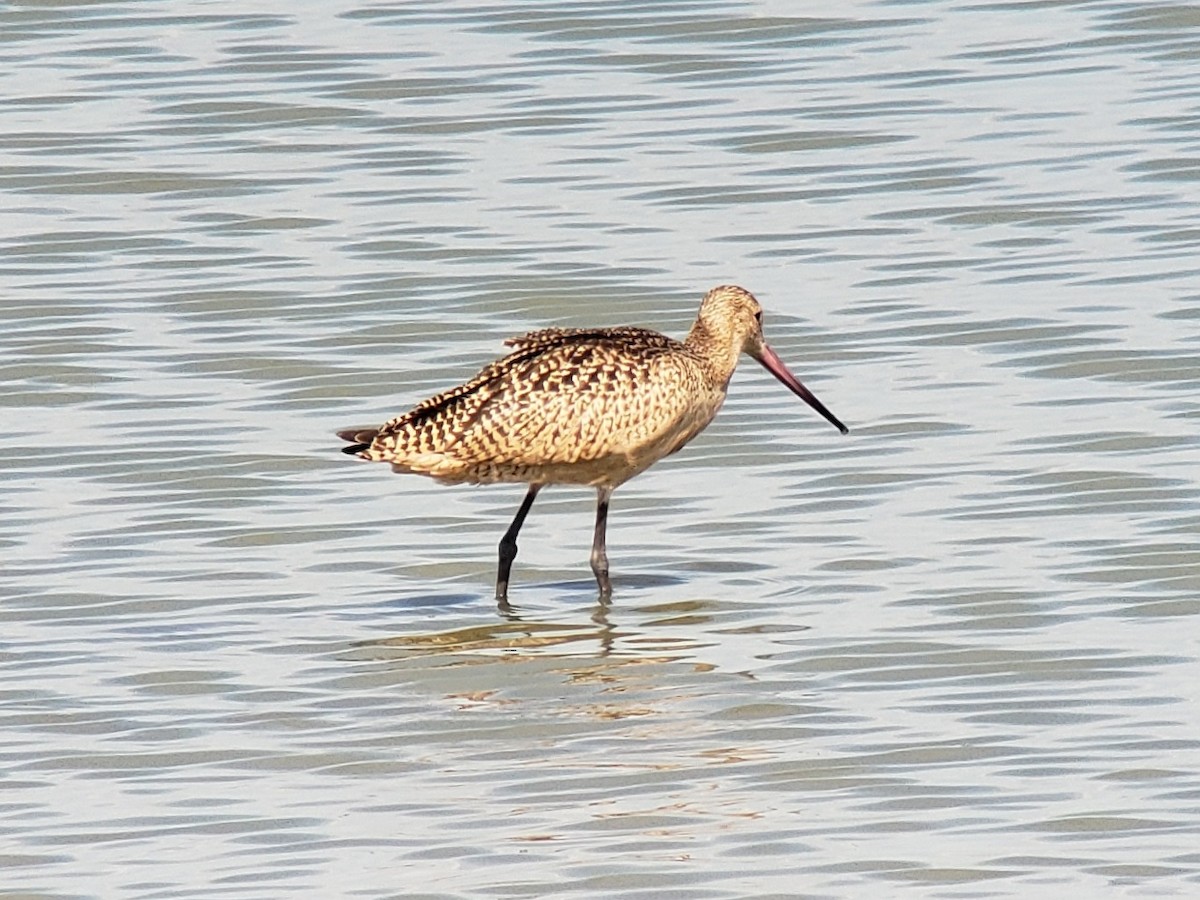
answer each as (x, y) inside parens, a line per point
(508, 544)
(599, 552)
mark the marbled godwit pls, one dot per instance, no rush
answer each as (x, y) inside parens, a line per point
(579, 406)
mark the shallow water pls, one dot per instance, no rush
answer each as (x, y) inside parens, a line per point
(953, 653)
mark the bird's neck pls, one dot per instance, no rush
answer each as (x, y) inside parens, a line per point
(717, 353)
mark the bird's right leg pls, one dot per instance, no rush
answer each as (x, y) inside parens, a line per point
(599, 549)
(508, 544)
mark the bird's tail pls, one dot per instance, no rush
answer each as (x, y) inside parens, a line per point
(359, 439)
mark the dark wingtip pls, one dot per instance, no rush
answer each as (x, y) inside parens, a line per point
(360, 438)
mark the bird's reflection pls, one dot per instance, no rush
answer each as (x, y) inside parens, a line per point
(517, 633)
(525, 633)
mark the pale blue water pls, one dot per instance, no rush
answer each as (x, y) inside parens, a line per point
(952, 654)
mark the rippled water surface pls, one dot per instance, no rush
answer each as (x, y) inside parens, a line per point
(951, 654)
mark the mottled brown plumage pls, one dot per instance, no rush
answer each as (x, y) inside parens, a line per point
(579, 406)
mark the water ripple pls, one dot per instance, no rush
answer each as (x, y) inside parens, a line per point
(947, 651)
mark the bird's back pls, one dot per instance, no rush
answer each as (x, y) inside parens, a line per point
(581, 406)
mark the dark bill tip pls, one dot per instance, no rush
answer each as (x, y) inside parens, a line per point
(773, 364)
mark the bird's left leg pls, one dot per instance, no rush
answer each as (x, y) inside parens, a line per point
(508, 544)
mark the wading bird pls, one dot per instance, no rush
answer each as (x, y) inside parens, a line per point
(586, 406)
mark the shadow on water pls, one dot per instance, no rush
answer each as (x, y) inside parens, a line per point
(521, 634)
(628, 581)
(513, 638)
(439, 600)
(569, 595)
